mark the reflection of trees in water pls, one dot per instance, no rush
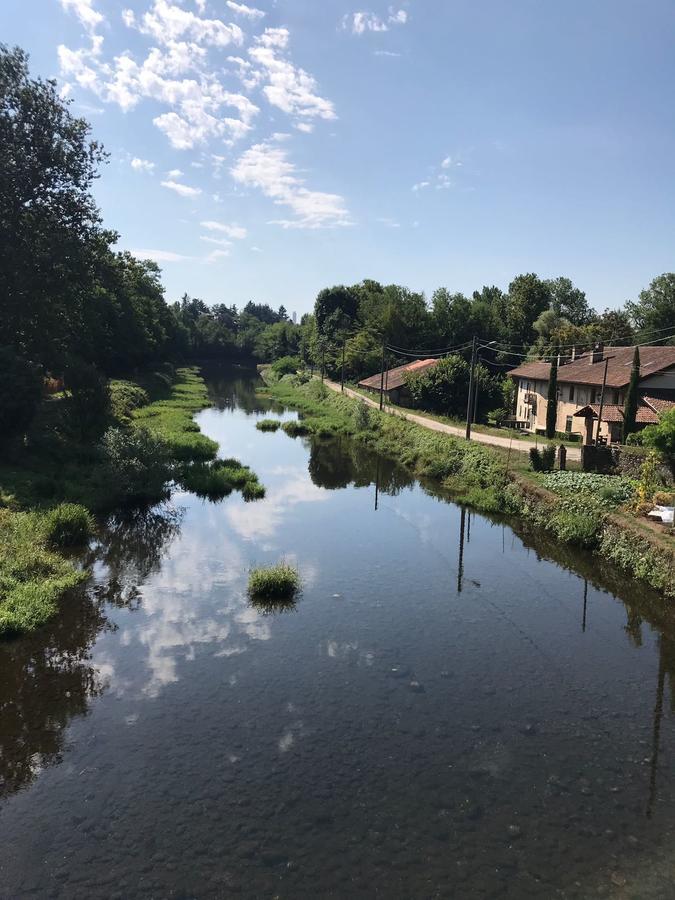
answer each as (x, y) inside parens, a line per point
(338, 462)
(231, 389)
(48, 677)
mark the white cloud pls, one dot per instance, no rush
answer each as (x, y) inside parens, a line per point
(421, 185)
(360, 22)
(287, 87)
(142, 165)
(183, 190)
(307, 127)
(167, 22)
(215, 255)
(390, 223)
(84, 11)
(248, 12)
(219, 242)
(386, 53)
(237, 232)
(159, 255)
(174, 173)
(266, 166)
(256, 249)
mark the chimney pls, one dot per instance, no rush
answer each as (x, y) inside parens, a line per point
(598, 353)
(574, 354)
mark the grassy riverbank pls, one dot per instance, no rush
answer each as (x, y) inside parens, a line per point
(490, 480)
(152, 441)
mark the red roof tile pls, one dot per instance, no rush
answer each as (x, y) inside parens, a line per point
(583, 371)
(395, 378)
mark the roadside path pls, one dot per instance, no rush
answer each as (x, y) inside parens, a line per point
(573, 453)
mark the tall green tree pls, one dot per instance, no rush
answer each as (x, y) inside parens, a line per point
(568, 301)
(552, 399)
(654, 312)
(631, 405)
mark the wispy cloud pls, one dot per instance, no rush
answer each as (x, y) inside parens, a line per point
(160, 255)
(266, 166)
(248, 12)
(184, 190)
(361, 22)
(84, 11)
(439, 177)
(142, 165)
(237, 232)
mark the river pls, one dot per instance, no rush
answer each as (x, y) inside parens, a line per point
(454, 708)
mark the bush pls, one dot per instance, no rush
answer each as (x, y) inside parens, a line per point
(68, 525)
(635, 439)
(273, 583)
(137, 462)
(542, 460)
(87, 404)
(317, 390)
(498, 416)
(363, 421)
(268, 425)
(294, 428)
(20, 393)
(125, 397)
(286, 365)
(661, 437)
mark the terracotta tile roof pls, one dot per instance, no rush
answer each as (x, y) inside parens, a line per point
(583, 371)
(659, 404)
(395, 378)
(613, 413)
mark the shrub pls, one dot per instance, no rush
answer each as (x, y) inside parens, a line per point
(87, 404)
(268, 425)
(363, 421)
(125, 397)
(548, 458)
(664, 498)
(68, 525)
(286, 365)
(20, 393)
(317, 390)
(498, 416)
(137, 462)
(280, 582)
(635, 439)
(661, 437)
(535, 459)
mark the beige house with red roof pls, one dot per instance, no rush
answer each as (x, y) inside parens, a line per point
(580, 387)
(394, 379)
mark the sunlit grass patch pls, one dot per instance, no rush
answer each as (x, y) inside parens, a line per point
(272, 586)
(217, 479)
(295, 428)
(33, 578)
(268, 425)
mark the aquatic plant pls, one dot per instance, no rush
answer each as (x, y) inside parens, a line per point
(275, 584)
(67, 525)
(295, 428)
(219, 478)
(268, 425)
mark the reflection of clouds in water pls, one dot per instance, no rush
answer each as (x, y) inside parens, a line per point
(290, 736)
(348, 650)
(262, 518)
(175, 621)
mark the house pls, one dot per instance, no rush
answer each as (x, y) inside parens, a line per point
(394, 380)
(580, 388)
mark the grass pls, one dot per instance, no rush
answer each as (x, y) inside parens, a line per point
(218, 478)
(33, 577)
(273, 588)
(171, 417)
(268, 425)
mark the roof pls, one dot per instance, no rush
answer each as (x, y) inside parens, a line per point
(583, 371)
(395, 378)
(659, 404)
(613, 413)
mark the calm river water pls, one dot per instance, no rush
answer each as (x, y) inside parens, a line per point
(451, 710)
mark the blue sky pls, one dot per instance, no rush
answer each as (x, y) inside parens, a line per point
(264, 150)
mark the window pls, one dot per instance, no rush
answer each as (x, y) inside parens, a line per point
(568, 424)
(571, 393)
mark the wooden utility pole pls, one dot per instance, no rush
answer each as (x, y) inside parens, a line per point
(342, 379)
(382, 378)
(602, 397)
(323, 359)
(470, 398)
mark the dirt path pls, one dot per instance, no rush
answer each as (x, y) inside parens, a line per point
(573, 453)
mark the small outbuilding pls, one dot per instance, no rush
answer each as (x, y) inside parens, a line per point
(395, 380)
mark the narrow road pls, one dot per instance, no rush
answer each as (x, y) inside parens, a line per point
(573, 453)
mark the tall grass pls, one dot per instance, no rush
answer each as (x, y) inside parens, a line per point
(33, 577)
(271, 586)
(217, 479)
(268, 425)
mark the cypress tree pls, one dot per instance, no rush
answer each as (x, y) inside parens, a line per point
(631, 405)
(552, 404)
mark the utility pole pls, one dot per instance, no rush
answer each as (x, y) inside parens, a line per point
(342, 379)
(470, 398)
(602, 397)
(382, 378)
(323, 358)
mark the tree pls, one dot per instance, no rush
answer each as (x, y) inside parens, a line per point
(48, 218)
(655, 310)
(552, 400)
(662, 437)
(568, 301)
(338, 299)
(20, 393)
(631, 405)
(528, 297)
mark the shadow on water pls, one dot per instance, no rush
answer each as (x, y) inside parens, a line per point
(48, 678)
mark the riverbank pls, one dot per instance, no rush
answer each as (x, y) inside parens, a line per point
(151, 443)
(491, 480)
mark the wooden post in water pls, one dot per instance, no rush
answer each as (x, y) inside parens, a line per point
(460, 565)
